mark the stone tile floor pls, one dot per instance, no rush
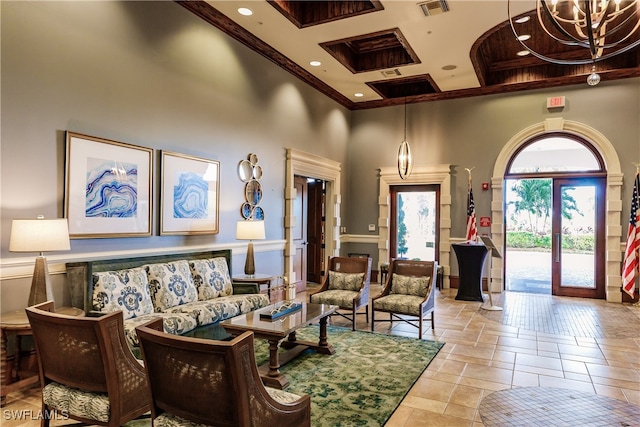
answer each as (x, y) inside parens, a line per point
(571, 344)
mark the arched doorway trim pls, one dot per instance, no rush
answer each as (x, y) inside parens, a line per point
(614, 197)
(311, 166)
(434, 174)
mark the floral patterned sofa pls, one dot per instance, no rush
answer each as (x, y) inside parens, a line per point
(188, 291)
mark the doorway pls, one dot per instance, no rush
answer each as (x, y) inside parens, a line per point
(555, 218)
(414, 228)
(301, 164)
(554, 236)
(308, 233)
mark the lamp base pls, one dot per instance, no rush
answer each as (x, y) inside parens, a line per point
(41, 283)
(249, 265)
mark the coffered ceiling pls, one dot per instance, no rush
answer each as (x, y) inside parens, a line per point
(391, 52)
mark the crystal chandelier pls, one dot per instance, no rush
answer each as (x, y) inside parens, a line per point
(605, 27)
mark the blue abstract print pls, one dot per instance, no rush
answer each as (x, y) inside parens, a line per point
(190, 197)
(112, 189)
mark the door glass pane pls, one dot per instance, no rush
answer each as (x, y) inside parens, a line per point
(578, 236)
(416, 225)
(554, 154)
(528, 235)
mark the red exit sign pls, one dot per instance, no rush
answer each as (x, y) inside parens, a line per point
(555, 102)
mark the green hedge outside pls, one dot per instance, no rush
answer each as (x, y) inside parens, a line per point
(527, 240)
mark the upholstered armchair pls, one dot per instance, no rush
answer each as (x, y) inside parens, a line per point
(347, 286)
(408, 295)
(198, 381)
(87, 371)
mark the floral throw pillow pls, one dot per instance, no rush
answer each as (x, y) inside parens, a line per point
(171, 284)
(126, 290)
(408, 285)
(345, 281)
(211, 277)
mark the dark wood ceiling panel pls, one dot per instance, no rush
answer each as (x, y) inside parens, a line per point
(374, 51)
(495, 59)
(405, 87)
(308, 13)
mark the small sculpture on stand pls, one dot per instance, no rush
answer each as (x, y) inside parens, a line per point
(288, 305)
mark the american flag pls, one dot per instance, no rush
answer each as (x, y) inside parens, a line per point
(472, 230)
(631, 255)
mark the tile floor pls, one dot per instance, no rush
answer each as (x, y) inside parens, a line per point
(487, 351)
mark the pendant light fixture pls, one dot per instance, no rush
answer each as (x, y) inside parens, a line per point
(405, 159)
(604, 28)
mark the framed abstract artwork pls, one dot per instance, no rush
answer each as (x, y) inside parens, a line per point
(189, 194)
(108, 190)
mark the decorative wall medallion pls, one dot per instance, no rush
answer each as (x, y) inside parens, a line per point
(251, 173)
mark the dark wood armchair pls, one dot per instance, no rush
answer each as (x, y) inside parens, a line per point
(212, 382)
(346, 285)
(86, 368)
(408, 295)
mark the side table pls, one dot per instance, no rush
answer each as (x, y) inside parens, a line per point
(260, 279)
(17, 324)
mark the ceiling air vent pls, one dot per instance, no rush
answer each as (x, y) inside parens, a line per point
(434, 7)
(391, 73)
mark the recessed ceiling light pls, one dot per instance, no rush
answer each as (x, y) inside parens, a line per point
(245, 11)
(523, 53)
(449, 67)
(358, 95)
(315, 63)
(522, 20)
(524, 37)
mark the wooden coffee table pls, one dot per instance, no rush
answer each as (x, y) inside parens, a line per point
(277, 330)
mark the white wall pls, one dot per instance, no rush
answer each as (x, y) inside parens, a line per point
(150, 74)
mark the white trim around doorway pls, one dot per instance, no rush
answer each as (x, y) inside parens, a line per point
(420, 175)
(311, 166)
(614, 197)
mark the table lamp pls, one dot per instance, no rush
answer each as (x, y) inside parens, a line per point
(39, 235)
(250, 230)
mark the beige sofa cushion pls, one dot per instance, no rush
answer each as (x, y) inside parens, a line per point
(211, 277)
(171, 284)
(126, 290)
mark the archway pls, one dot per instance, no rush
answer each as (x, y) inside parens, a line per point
(614, 199)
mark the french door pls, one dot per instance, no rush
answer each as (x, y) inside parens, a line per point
(555, 236)
(578, 237)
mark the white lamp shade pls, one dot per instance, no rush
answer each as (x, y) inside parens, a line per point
(250, 230)
(39, 235)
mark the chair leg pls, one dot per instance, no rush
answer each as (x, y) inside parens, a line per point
(366, 311)
(433, 320)
(373, 322)
(420, 328)
(45, 420)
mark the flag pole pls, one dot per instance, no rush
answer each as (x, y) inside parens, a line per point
(637, 165)
(631, 261)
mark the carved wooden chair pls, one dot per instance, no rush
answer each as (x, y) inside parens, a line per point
(87, 371)
(198, 381)
(347, 286)
(408, 295)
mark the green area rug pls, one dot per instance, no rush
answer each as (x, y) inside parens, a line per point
(363, 383)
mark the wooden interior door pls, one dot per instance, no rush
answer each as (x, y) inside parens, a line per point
(299, 232)
(315, 226)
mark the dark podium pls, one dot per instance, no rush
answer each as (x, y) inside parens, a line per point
(471, 258)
